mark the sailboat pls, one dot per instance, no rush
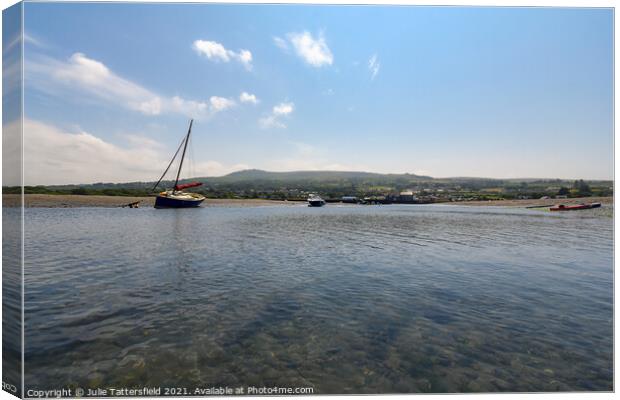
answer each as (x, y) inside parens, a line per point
(176, 197)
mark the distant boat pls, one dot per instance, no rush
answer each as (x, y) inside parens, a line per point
(349, 199)
(562, 207)
(176, 197)
(314, 200)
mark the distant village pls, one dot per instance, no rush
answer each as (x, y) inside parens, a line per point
(425, 193)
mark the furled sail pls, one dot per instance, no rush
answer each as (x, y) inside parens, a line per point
(187, 185)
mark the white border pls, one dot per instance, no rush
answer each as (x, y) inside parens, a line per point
(481, 3)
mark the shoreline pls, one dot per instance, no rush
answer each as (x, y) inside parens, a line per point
(532, 203)
(77, 201)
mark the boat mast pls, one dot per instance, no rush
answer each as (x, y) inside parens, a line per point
(189, 131)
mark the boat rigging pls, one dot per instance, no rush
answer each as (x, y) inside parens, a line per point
(176, 197)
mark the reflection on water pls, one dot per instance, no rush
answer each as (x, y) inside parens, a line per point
(342, 299)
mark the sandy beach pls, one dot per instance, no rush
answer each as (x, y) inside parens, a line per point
(535, 202)
(68, 201)
(64, 201)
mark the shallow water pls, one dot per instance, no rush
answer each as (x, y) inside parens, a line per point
(343, 299)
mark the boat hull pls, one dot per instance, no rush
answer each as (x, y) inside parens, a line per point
(316, 203)
(170, 202)
(575, 207)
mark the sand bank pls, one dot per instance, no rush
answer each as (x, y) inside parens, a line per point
(60, 201)
(535, 202)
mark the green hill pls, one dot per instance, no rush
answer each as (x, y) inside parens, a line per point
(254, 183)
(257, 174)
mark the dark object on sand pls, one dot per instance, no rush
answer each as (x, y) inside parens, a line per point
(135, 204)
(562, 207)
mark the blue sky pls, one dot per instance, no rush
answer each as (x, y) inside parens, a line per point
(491, 92)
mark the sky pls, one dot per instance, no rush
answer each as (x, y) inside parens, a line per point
(439, 91)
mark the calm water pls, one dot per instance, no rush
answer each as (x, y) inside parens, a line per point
(342, 299)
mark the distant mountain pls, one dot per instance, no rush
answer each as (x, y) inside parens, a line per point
(318, 176)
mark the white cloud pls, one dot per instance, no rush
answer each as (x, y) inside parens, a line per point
(11, 42)
(140, 141)
(274, 120)
(189, 107)
(221, 103)
(28, 38)
(12, 72)
(281, 43)
(245, 57)
(217, 52)
(270, 121)
(151, 107)
(246, 97)
(95, 77)
(54, 156)
(17, 40)
(83, 74)
(283, 109)
(212, 50)
(373, 66)
(313, 51)
(57, 156)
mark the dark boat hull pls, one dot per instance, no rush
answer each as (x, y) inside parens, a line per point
(316, 203)
(167, 202)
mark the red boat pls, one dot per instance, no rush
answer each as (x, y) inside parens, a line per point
(562, 207)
